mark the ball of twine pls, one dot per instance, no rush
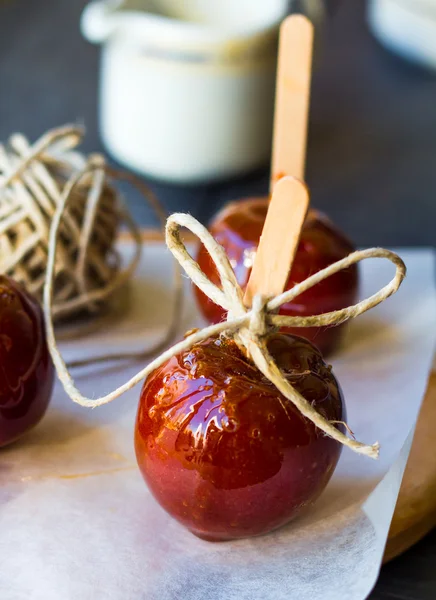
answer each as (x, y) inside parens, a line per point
(33, 181)
(250, 327)
(50, 183)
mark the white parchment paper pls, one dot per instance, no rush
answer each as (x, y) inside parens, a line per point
(77, 522)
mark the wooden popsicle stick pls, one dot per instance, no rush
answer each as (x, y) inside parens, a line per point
(279, 240)
(292, 98)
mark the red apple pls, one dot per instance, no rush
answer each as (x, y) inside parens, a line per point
(238, 228)
(223, 451)
(26, 369)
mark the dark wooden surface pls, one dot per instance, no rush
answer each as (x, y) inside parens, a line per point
(371, 156)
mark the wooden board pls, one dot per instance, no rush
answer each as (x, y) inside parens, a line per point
(415, 512)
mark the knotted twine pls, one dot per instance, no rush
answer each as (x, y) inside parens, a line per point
(250, 327)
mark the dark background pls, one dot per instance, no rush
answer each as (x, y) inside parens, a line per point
(371, 154)
(372, 140)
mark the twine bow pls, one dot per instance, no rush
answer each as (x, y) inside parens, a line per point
(249, 326)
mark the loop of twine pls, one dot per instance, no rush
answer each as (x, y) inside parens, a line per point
(249, 327)
(96, 166)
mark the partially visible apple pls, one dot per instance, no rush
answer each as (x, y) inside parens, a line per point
(238, 228)
(26, 369)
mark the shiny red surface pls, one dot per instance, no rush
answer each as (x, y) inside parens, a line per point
(223, 451)
(26, 369)
(238, 227)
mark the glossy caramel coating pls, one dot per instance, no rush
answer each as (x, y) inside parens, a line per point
(238, 228)
(223, 451)
(26, 369)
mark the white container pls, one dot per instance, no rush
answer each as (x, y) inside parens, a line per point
(407, 27)
(187, 88)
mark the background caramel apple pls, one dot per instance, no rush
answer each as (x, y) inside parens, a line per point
(26, 369)
(238, 228)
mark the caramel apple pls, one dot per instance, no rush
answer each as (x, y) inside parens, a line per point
(222, 450)
(26, 369)
(238, 228)
(239, 427)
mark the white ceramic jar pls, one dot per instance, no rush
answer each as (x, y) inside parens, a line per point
(187, 88)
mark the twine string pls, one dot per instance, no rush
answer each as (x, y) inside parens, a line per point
(69, 136)
(249, 326)
(95, 167)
